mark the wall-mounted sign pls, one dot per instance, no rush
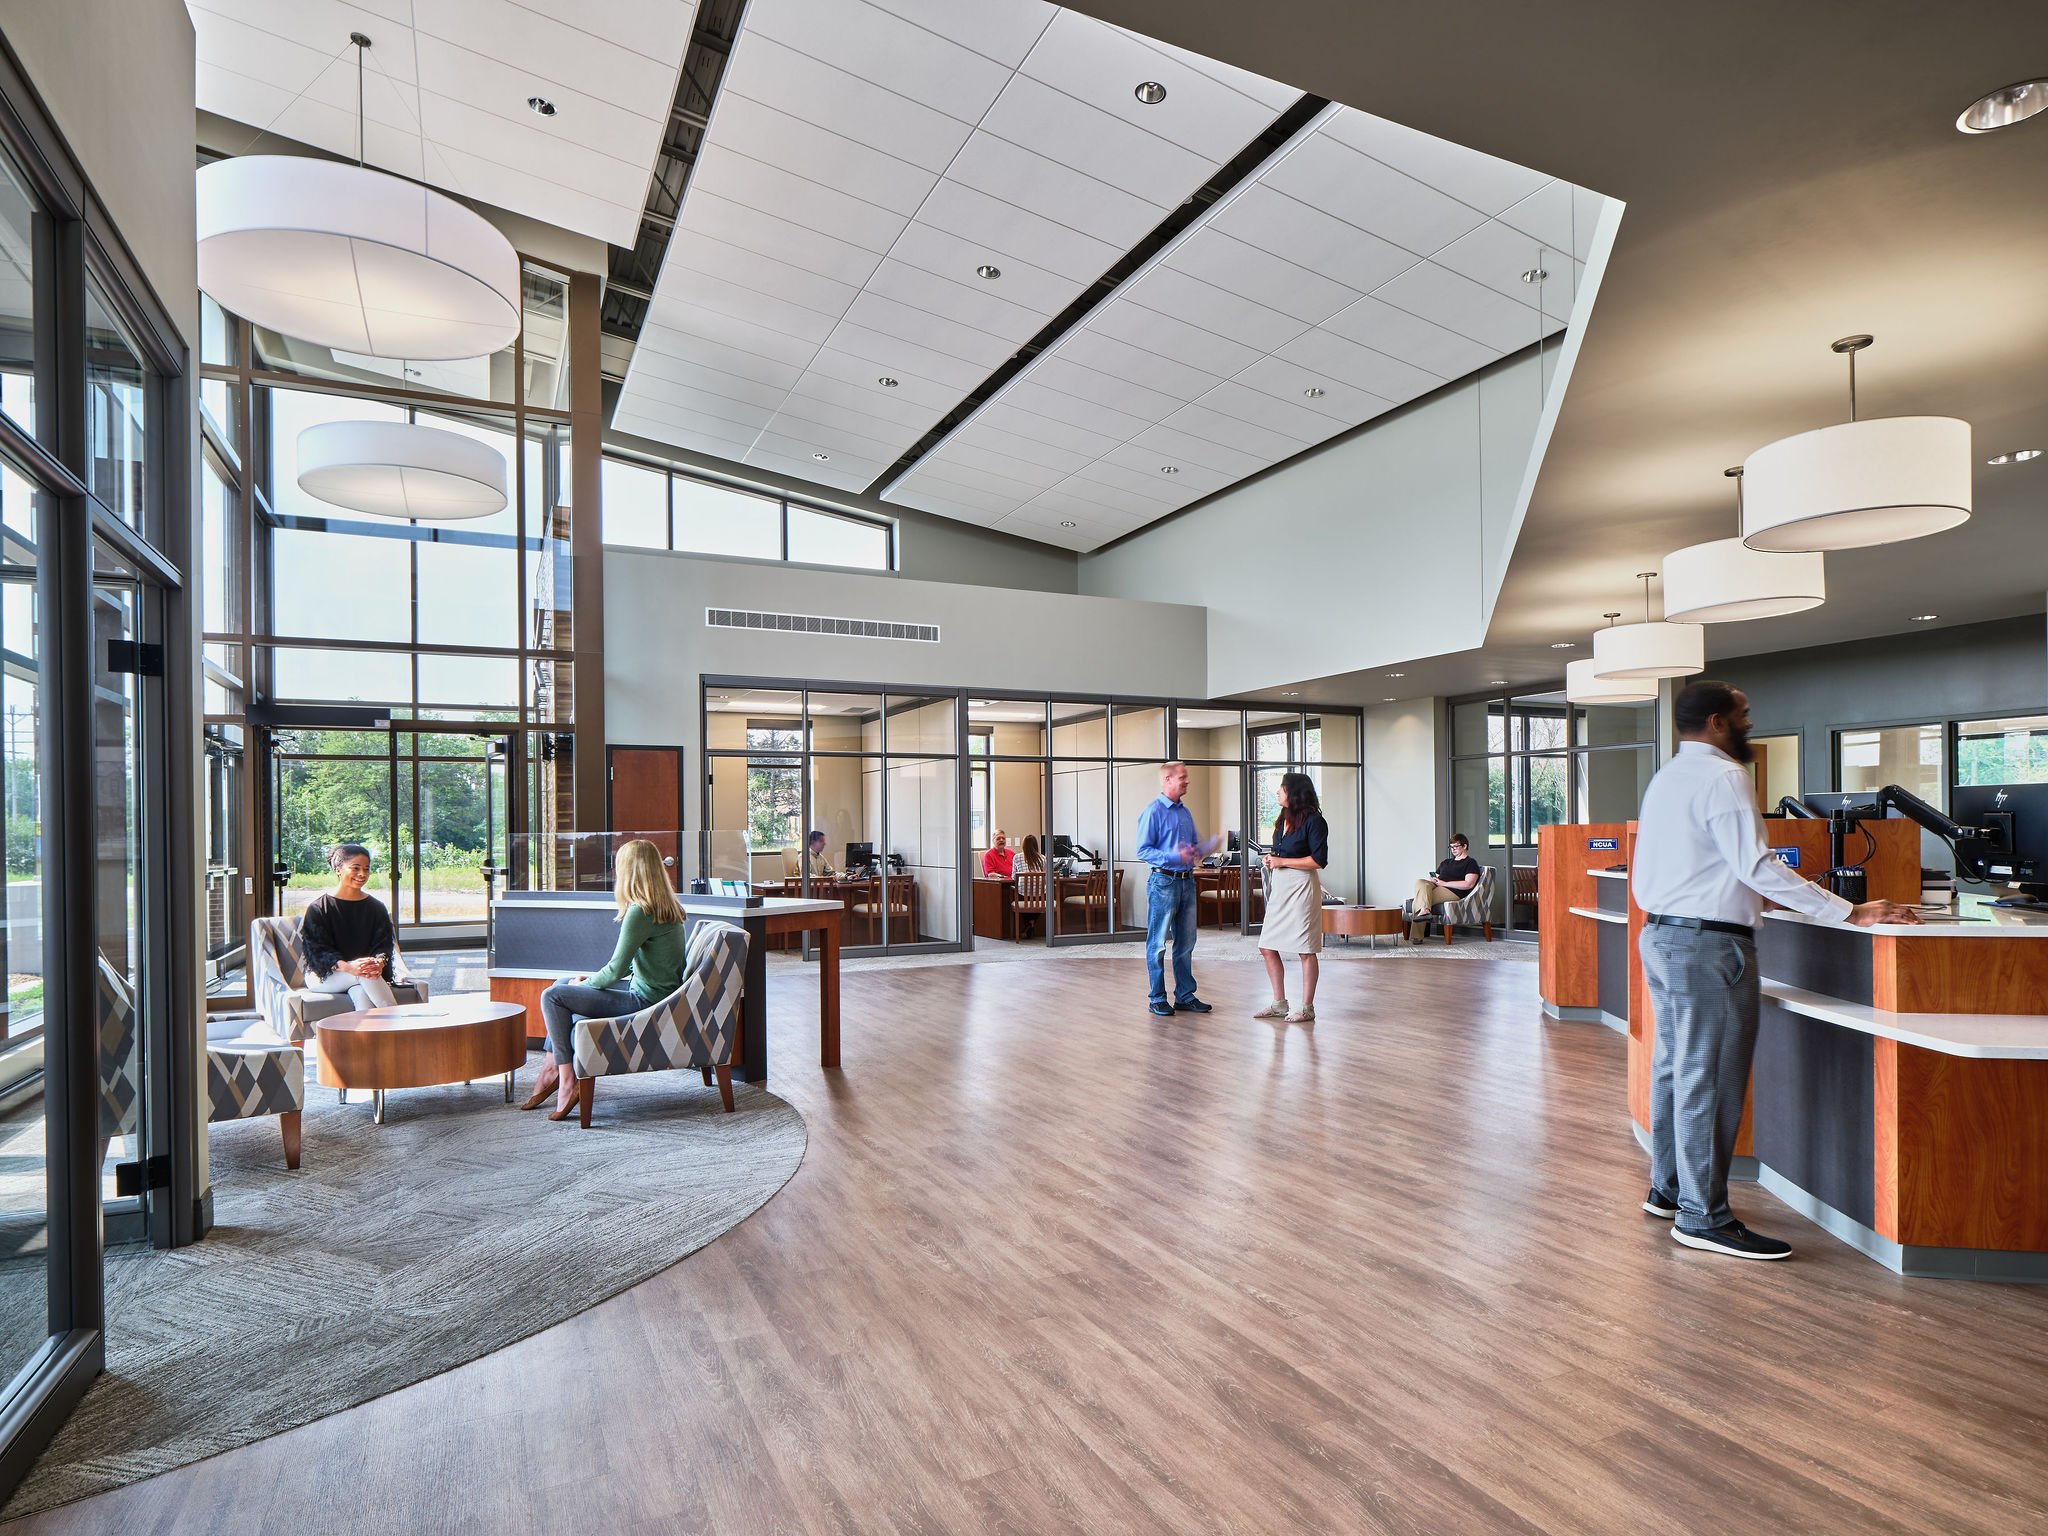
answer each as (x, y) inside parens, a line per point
(1603, 844)
(1789, 857)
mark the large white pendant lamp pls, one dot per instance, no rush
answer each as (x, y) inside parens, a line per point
(1860, 483)
(1649, 650)
(1726, 580)
(1583, 686)
(354, 259)
(396, 469)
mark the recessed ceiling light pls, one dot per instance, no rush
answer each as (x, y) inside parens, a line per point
(886, 382)
(987, 272)
(1498, 682)
(1290, 693)
(2017, 456)
(1150, 92)
(1169, 469)
(541, 105)
(1925, 618)
(1564, 645)
(1397, 674)
(822, 458)
(1314, 391)
(2005, 106)
(1534, 275)
(1067, 525)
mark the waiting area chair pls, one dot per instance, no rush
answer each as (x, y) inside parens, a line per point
(1472, 910)
(278, 980)
(694, 1026)
(251, 1070)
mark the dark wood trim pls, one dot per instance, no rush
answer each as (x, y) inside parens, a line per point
(586, 545)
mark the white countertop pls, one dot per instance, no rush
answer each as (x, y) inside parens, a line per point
(1599, 916)
(769, 905)
(1978, 919)
(1608, 874)
(1988, 1036)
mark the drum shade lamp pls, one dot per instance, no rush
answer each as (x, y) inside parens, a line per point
(1582, 685)
(1860, 483)
(396, 469)
(1726, 580)
(1649, 649)
(354, 259)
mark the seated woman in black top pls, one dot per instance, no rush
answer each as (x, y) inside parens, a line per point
(1294, 896)
(347, 934)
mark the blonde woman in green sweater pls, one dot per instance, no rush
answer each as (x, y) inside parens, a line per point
(646, 966)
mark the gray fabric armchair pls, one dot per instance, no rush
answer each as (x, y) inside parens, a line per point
(281, 987)
(694, 1026)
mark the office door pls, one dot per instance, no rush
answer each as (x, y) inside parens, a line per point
(644, 795)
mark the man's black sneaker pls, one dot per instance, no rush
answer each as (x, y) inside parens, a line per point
(1194, 1005)
(1735, 1240)
(1660, 1205)
(1161, 1010)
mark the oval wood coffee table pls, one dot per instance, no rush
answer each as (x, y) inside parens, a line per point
(420, 1045)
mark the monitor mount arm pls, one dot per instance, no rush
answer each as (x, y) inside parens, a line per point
(1798, 810)
(1972, 846)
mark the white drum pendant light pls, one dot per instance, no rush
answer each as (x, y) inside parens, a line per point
(353, 259)
(1649, 649)
(1726, 580)
(393, 469)
(1860, 483)
(1581, 686)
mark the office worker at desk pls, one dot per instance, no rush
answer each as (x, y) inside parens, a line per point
(1701, 871)
(999, 858)
(814, 856)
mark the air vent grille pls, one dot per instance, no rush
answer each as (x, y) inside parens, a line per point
(815, 624)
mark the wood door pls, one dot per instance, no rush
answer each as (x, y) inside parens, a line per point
(645, 795)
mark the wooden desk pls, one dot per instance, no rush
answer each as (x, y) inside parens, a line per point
(995, 915)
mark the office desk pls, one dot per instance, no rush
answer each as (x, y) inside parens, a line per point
(524, 962)
(905, 917)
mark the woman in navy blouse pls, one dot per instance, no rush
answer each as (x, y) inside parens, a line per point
(1294, 896)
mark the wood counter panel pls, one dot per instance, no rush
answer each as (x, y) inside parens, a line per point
(1955, 975)
(1962, 1150)
(1892, 870)
(1567, 947)
(525, 991)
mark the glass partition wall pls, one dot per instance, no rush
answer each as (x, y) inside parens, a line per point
(908, 789)
(1520, 763)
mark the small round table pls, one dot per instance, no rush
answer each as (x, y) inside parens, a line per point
(1373, 921)
(419, 1045)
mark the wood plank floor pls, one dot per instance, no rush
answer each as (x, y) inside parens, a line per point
(1052, 1264)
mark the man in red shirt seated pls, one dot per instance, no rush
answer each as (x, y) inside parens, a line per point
(1000, 858)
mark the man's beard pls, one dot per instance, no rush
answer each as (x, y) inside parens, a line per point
(1739, 747)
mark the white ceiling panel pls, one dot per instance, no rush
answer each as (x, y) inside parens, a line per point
(1206, 358)
(445, 90)
(987, 430)
(865, 158)
(764, 70)
(1487, 183)
(663, 368)
(1309, 237)
(1268, 93)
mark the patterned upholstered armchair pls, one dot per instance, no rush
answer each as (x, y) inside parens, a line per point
(1472, 910)
(278, 980)
(251, 1070)
(694, 1026)
(120, 1058)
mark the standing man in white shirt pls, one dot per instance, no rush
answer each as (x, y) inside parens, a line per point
(1701, 872)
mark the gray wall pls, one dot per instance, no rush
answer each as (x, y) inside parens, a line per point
(1404, 819)
(992, 639)
(1380, 546)
(929, 548)
(1966, 672)
(117, 75)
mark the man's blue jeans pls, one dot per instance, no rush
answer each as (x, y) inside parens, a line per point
(1170, 920)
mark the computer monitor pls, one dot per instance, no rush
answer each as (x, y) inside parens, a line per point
(1062, 846)
(1232, 846)
(859, 855)
(1858, 802)
(2018, 815)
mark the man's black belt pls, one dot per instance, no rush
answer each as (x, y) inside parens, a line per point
(1174, 874)
(1704, 924)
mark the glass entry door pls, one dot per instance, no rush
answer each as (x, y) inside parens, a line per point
(431, 806)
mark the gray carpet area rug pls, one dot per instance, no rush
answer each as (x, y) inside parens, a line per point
(398, 1251)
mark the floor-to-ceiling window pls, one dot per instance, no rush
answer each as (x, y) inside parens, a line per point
(405, 683)
(1524, 762)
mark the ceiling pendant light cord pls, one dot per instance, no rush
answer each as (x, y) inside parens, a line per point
(361, 45)
(280, 112)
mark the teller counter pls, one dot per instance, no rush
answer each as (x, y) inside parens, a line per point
(1899, 1094)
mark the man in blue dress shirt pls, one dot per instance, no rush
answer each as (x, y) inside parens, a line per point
(1167, 841)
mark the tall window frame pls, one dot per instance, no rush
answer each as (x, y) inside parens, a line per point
(794, 517)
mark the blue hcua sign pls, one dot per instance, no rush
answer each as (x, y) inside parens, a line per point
(1603, 844)
(1789, 857)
